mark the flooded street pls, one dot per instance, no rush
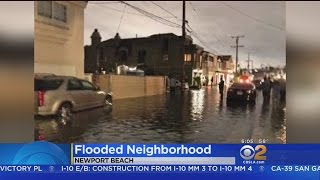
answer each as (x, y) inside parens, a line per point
(196, 116)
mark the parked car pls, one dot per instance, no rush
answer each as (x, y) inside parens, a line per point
(241, 92)
(182, 86)
(38, 134)
(61, 95)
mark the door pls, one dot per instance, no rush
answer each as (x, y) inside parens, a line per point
(76, 94)
(95, 97)
(216, 82)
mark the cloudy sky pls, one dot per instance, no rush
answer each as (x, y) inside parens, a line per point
(262, 23)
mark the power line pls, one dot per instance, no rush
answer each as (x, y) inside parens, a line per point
(164, 9)
(251, 17)
(150, 15)
(153, 16)
(179, 6)
(197, 36)
(124, 8)
(216, 37)
(192, 7)
(111, 2)
(118, 10)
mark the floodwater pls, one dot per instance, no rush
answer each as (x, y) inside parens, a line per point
(195, 116)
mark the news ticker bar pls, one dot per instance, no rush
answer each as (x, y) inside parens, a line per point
(160, 169)
(45, 153)
(155, 160)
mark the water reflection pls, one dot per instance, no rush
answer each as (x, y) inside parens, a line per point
(68, 130)
(192, 117)
(197, 104)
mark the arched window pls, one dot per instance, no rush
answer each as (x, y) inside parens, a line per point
(123, 54)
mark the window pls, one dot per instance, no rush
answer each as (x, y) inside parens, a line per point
(74, 84)
(211, 58)
(45, 8)
(141, 56)
(60, 12)
(165, 57)
(101, 55)
(123, 56)
(187, 58)
(88, 86)
(52, 10)
(165, 45)
(46, 85)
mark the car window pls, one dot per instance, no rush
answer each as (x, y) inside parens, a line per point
(47, 84)
(242, 86)
(88, 86)
(74, 84)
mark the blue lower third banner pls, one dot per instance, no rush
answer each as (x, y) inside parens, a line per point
(247, 159)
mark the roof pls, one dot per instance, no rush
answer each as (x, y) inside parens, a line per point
(151, 37)
(225, 57)
(51, 76)
(145, 38)
(209, 53)
(164, 34)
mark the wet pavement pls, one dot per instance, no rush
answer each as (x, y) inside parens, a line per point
(196, 116)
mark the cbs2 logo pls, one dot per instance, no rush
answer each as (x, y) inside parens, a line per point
(247, 152)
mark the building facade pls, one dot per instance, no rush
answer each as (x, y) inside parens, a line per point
(209, 67)
(59, 37)
(225, 69)
(158, 54)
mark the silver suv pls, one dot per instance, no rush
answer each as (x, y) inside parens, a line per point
(60, 95)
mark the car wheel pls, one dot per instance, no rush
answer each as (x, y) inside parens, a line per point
(65, 111)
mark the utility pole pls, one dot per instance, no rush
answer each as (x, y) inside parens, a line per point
(248, 61)
(237, 47)
(248, 66)
(183, 38)
(251, 64)
(98, 59)
(183, 19)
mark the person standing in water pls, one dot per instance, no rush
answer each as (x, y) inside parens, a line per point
(221, 86)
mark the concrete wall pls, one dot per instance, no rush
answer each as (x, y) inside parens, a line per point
(103, 81)
(154, 85)
(123, 86)
(127, 86)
